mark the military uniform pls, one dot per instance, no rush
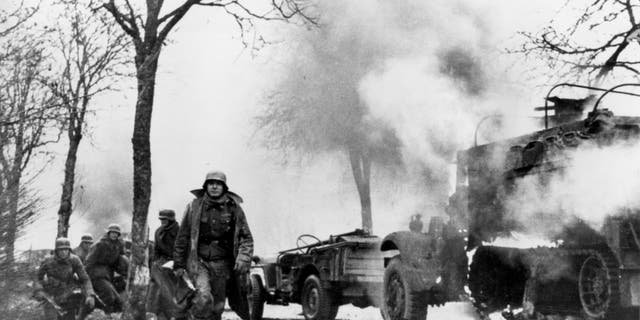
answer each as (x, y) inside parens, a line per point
(104, 259)
(159, 298)
(214, 236)
(83, 248)
(66, 282)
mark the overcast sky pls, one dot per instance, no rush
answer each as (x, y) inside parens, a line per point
(208, 93)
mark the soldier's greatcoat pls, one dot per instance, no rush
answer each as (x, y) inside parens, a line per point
(81, 253)
(186, 246)
(106, 257)
(57, 276)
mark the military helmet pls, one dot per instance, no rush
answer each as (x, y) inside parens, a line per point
(114, 227)
(215, 175)
(87, 237)
(63, 243)
(167, 214)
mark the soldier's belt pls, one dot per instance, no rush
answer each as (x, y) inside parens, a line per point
(213, 251)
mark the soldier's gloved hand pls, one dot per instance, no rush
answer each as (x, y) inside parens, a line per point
(90, 302)
(241, 266)
(179, 272)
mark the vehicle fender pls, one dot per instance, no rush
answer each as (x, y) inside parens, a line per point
(418, 255)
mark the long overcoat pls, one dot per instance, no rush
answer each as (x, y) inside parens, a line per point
(186, 247)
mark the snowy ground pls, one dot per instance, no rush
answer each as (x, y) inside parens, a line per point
(450, 311)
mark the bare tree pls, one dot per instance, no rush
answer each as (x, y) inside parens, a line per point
(13, 19)
(29, 120)
(92, 53)
(602, 39)
(148, 30)
(322, 123)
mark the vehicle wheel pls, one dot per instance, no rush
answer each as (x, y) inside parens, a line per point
(400, 301)
(317, 302)
(594, 287)
(256, 298)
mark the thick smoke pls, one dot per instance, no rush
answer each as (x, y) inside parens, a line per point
(598, 182)
(410, 79)
(102, 198)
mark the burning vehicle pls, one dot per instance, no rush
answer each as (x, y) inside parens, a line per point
(320, 275)
(590, 273)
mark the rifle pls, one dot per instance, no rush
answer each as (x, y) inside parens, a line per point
(99, 303)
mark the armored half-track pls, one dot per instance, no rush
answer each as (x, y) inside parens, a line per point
(589, 272)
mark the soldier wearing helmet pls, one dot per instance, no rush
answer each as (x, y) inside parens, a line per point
(159, 300)
(57, 275)
(83, 248)
(105, 258)
(214, 245)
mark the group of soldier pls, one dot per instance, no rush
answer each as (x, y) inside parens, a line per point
(212, 248)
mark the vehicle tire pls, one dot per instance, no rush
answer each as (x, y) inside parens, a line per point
(594, 287)
(317, 302)
(256, 298)
(400, 300)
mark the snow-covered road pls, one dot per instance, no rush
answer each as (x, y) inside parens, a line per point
(450, 311)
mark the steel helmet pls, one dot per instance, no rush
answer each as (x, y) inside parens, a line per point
(114, 227)
(63, 243)
(167, 214)
(87, 238)
(215, 175)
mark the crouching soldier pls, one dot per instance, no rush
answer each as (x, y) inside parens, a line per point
(160, 298)
(214, 245)
(104, 259)
(66, 287)
(83, 248)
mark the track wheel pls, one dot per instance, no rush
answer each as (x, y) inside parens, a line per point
(400, 301)
(317, 302)
(594, 287)
(256, 298)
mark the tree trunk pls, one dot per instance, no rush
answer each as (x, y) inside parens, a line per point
(64, 212)
(138, 270)
(13, 187)
(12, 223)
(361, 168)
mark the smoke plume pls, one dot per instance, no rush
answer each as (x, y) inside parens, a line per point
(597, 182)
(408, 79)
(104, 197)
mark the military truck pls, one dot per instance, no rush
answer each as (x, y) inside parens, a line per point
(587, 272)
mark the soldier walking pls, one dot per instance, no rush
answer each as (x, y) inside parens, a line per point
(61, 276)
(104, 259)
(215, 246)
(160, 300)
(83, 248)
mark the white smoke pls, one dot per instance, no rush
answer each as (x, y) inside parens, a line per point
(598, 182)
(425, 70)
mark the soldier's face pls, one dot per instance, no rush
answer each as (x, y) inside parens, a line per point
(63, 253)
(113, 235)
(164, 222)
(86, 245)
(215, 188)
